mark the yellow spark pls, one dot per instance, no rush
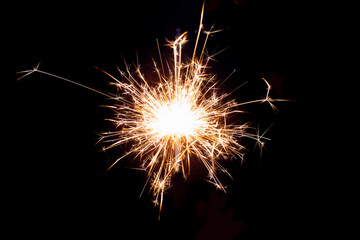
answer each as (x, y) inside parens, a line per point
(182, 117)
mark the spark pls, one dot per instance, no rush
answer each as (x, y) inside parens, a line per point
(181, 118)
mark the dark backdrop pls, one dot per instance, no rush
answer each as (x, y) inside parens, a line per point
(58, 181)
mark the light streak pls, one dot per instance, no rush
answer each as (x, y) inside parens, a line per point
(182, 118)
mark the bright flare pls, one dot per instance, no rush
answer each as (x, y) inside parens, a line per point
(176, 119)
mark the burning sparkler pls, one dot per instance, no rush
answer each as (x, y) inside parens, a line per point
(182, 118)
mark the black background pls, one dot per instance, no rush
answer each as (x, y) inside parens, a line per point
(59, 184)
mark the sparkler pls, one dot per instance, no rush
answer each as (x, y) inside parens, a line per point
(182, 118)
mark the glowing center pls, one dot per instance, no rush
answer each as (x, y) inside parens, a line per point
(175, 119)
